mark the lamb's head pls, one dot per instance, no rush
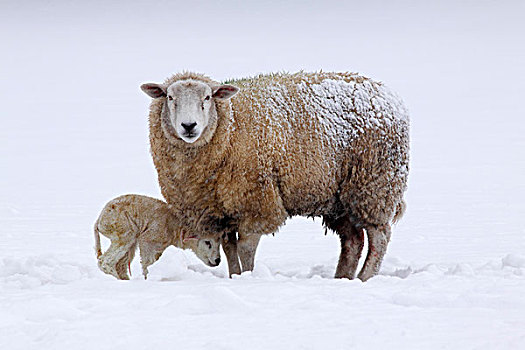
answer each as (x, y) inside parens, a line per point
(189, 112)
(208, 250)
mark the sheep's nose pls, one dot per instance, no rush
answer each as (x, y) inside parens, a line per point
(218, 261)
(188, 126)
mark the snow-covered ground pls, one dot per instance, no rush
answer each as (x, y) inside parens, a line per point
(74, 134)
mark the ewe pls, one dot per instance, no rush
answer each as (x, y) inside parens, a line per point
(245, 156)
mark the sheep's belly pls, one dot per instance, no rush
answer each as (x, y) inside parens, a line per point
(308, 193)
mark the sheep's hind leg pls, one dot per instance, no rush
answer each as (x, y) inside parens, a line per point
(229, 245)
(247, 247)
(352, 242)
(378, 238)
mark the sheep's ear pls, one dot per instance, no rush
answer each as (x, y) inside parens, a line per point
(154, 90)
(225, 91)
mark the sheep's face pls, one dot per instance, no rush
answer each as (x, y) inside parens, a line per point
(207, 250)
(190, 109)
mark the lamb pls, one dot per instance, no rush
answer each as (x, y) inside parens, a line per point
(132, 220)
(244, 156)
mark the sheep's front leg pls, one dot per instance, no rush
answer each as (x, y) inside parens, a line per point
(229, 246)
(378, 238)
(247, 247)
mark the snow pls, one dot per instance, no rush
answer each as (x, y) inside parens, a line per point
(367, 99)
(74, 135)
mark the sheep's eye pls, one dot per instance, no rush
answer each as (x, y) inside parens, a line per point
(170, 98)
(208, 244)
(207, 98)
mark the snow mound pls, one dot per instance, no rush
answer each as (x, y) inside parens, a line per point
(33, 272)
(512, 260)
(508, 266)
(176, 265)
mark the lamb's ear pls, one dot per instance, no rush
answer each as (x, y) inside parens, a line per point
(154, 90)
(190, 238)
(225, 91)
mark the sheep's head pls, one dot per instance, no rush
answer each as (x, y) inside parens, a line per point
(189, 111)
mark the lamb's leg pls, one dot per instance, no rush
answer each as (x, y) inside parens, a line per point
(247, 246)
(149, 254)
(378, 238)
(117, 255)
(123, 265)
(352, 241)
(121, 268)
(229, 246)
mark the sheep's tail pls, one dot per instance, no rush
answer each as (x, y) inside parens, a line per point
(98, 249)
(400, 211)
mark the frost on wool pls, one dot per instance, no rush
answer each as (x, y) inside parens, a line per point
(336, 111)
